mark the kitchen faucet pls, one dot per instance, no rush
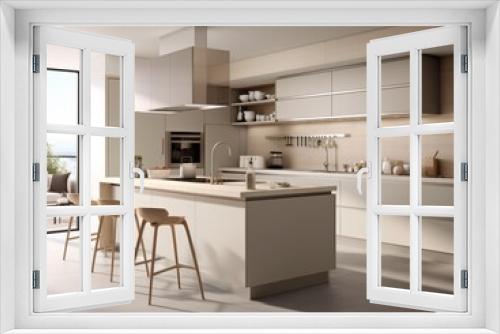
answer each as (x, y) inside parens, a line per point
(212, 176)
(330, 142)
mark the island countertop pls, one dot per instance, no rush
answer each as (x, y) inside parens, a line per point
(228, 190)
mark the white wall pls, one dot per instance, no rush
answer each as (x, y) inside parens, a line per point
(493, 166)
(7, 167)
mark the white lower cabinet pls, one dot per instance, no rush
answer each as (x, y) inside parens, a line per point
(351, 207)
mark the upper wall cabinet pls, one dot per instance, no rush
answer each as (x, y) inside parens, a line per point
(304, 97)
(308, 84)
(142, 84)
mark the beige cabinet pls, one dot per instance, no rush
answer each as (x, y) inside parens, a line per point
(308, 84)
(297, 96)
(304, 108)
(160, 82)
(142, 84)
(150, 139)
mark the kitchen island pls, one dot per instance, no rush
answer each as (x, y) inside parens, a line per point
(264, 241)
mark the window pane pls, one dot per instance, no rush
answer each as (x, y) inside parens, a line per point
(437, 169)
(394, 251)
(106, 259)
(437, 84)
(64, 256)
(395, 90)
(437, 254)
(105, 90)
(394, 169)
(62, 169)
(62, 97)
(105, 157)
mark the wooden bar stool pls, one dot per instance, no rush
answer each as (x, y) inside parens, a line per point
(159, 217)
(74, 199)
(98, 245)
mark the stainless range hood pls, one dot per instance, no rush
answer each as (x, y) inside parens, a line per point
(195, 78)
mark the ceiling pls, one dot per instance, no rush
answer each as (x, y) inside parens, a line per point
(242, 42)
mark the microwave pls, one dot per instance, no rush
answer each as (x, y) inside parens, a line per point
(184, 147)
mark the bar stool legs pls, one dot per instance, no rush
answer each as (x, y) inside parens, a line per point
(174, 243)
(153, 260)
(197, 268)
(140, 242)
(157, 217)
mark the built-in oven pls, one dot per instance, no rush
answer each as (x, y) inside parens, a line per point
(184, 147)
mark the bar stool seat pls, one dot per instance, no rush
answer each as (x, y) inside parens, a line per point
(158, 217)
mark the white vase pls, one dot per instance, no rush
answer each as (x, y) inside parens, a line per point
(386, 167)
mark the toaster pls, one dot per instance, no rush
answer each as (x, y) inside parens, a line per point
(257, 161)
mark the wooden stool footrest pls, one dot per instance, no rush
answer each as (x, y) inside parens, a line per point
(181, 266)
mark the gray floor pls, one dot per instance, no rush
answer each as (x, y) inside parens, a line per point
(344, 293)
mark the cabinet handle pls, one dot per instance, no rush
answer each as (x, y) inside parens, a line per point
(359, 175)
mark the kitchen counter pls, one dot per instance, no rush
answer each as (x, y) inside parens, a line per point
(228, 190)
(338, 175)
(246, 240)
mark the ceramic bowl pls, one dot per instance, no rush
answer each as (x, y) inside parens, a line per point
(258, 95)
(244, 98)
(249, 115)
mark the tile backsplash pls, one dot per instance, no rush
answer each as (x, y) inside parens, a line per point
(350, 150)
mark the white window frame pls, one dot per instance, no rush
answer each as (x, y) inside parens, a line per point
(413, 44)
(87, 44)
(483, 312)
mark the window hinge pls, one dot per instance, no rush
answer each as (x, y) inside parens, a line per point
(36, 172)
(36, 279)
(464, 171)
(36, 64)
(465, 64)
(464, 279)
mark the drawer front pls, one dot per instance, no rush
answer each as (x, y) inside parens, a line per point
(349, 104)
(349, 78)
(315, 83)
(304, 108)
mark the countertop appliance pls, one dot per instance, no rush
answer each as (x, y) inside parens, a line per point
(184, 147)
(257, 161)
(276, 159)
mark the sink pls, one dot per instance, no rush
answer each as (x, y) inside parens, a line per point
(201, 180)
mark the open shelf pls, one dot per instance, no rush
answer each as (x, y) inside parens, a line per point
(252, 103)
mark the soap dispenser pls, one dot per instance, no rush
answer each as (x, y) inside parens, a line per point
(250, 176)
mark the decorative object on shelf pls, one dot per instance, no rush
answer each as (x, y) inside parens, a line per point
(406, 168)
(398, 170)
(386, 166)
(249, 115)
(244, 98)
(358, 165)
(251, 95)
(431, 167)
(239, 116)
(270, 96)
(258, 95)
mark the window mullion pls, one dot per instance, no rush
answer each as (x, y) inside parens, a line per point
(85, 231)
(415, 105)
